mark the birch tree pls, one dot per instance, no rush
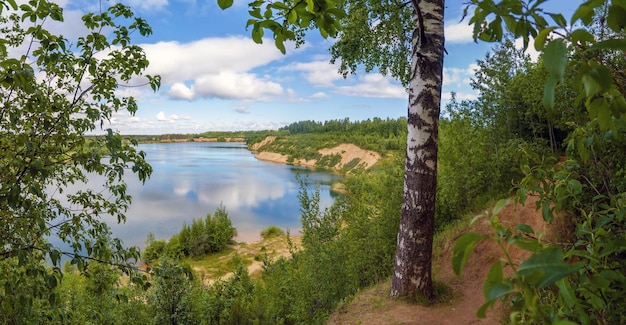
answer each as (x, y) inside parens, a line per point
(404, 39)
(413, 265)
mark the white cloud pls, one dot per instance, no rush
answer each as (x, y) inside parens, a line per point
(373, 85)
(178, 62)
(161, 116)
(148, 5)
(170, 119)
(458, 76)
(214, 68)
(319, 95)
(232, 85)
(180, 91)
(318, 73)
(458, 32)
(534, 55)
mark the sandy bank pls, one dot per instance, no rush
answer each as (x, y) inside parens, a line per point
(349, 153)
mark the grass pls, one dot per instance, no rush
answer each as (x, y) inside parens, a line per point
(217, 264)
(220, 264)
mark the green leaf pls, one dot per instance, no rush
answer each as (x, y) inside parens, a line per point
(541, 37)
(499, 206)
(524, 228)
(585, 12)
(582, 36)
(566, 292)
(280, 43)
(257, 33)
(610, 44)
(292, 17)
(602, 76)
(616, 19)
(605, 121)
(463, 247)
(546, 212)
(546, 267)
(223, 4)
(558, 19)
(527, 244)
(555, 58)
(548, 93)
(494, 288)
(564, 322)
(591, 86)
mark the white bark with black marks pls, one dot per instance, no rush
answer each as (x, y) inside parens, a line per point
(413, 269)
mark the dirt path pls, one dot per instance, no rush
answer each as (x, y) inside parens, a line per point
(373, 306)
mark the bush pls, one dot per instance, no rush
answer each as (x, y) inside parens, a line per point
(204, 236)
(272, 231)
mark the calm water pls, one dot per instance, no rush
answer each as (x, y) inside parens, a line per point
(190, 180)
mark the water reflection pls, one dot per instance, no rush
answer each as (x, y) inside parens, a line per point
(192, 179)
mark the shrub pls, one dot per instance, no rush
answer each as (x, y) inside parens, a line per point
(272, 231)
(204, 236)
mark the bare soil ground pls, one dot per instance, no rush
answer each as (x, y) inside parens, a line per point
(374, 306)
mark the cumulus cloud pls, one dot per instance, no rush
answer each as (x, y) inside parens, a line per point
(161, 117)
(318, 73)
(373, 85)
(180, 91)
(458, 32)
(177, 62)
(458, 76)
(319, 95)
(232, 85)
(534, 55)
(148, 5)
(214, 68)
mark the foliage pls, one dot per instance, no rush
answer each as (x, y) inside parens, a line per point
(581, 279)
(234, 300)
(346, 247)
(53, 91)
(272, 231)
(376, 35)
(204, 236)
(170, 297)
(305, 138)
(288, 20)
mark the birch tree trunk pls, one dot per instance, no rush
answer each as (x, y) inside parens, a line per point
(412, 269)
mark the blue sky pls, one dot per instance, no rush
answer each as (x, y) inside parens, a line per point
(215, 78)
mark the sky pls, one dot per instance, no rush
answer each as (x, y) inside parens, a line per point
(215, 78)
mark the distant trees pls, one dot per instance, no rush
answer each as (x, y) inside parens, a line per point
(379, 127)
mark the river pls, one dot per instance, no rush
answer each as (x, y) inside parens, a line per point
(192, 179)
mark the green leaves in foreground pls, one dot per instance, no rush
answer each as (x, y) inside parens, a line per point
(546, 267)
(555, 62)
(463, 247)
(289, 19)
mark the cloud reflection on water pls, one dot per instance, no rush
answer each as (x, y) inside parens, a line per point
(190, 180)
